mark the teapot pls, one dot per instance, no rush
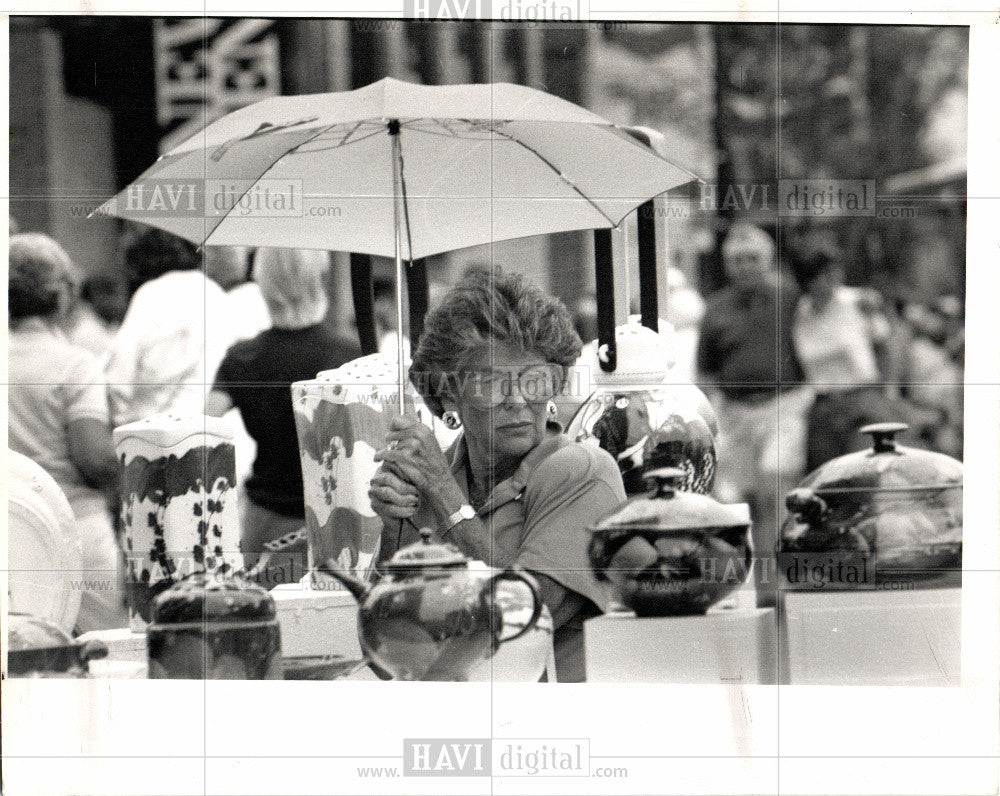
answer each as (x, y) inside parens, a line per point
(214, 627)
(644, 415)
(433, 613)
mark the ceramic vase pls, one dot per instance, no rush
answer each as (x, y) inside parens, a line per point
(178, 502)
(342, 417)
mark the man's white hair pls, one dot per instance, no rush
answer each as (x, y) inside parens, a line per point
(747, 239)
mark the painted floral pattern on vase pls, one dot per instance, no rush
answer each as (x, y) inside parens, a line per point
(341, 418)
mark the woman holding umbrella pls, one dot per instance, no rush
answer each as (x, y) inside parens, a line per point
(512, 490)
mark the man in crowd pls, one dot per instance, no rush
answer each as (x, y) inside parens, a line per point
(748, 369)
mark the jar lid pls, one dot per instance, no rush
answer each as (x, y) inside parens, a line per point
(644, 356)
(27, 632)
(166, 430)
(425, 554)
(670, 509)
(886, 465)
(211, 597)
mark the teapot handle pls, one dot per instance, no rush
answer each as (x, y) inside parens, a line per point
(536, 598)
(92, 650)
(806, 505)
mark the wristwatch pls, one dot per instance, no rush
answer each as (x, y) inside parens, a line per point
(464, 512)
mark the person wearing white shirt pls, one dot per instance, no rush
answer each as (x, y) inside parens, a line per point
(57, 415)
(835, 333)
(174, 334)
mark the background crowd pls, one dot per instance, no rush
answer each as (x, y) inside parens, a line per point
(798, 333)
(793, 360)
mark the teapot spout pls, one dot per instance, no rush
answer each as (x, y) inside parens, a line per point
(357, 587)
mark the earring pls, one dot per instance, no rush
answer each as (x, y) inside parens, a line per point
(452, 420)
(552, 410)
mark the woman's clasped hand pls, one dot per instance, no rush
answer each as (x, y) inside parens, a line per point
(413, 464)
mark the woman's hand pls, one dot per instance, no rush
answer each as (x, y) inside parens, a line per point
(414, 455)
(416, 460)
(391, 497)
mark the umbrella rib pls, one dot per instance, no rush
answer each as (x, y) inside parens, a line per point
(562, 176)
(340, 145)
(350, 132)
(260, 176)
(482, 126)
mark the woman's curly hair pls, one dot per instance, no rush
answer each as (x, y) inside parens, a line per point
(489, 305)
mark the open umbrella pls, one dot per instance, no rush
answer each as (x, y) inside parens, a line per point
(398, 170)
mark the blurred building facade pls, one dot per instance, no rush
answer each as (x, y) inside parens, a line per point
(94, 100)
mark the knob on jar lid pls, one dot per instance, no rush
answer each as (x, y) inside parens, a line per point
(667, 480)
(671, 509)
(886, 464)
(884, 435)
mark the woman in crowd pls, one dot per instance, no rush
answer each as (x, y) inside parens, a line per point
(255, 377)
(512, 490)
(837, 332)
(57, 412)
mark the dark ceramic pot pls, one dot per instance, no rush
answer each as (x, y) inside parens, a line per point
(672, 553)
(434, 614)
(882, 515)
(216, 628)
(39, 648)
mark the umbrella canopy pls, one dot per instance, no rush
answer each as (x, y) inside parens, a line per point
(471, 164)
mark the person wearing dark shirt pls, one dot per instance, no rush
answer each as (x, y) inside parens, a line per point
(748, 368)
(256, 377)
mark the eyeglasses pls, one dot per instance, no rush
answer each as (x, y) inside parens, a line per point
(489, 388)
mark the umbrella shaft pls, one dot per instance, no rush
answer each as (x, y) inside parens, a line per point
(397, 217)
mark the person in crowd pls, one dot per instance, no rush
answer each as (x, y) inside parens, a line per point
(174, 334)
(685, 308)
(749, 371)
(231, 267)
(57, 412)
(585, 317)
(837, 332)
(97, 314)
(246, 316)
(512, 489)
(933, 371)
(384, 298)
(255, 377)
